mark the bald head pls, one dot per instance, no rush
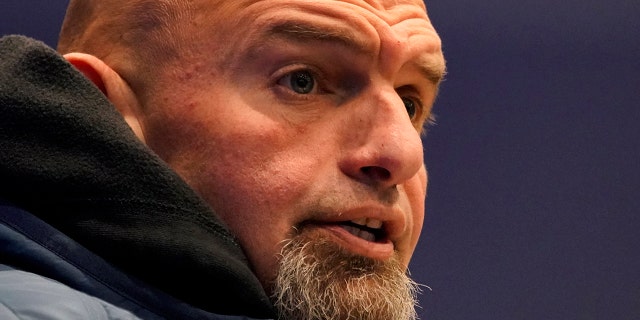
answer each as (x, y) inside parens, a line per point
(138, 38)
(139, 27)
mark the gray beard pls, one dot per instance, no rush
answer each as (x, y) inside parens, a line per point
(317, 280)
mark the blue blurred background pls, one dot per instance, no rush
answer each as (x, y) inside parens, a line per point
(534, 163)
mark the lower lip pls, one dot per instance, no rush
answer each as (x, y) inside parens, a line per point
(376, 250)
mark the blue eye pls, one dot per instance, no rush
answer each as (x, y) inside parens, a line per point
(301, 82)
(411, 106)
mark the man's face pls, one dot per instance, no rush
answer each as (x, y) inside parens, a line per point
(301, 119)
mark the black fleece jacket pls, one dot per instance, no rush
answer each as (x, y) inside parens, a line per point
(68, 157)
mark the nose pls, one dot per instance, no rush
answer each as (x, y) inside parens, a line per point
(382, 148)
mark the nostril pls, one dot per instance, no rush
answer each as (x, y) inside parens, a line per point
(376, 173)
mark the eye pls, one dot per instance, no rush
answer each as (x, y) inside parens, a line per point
(301, 81)
(411, 105)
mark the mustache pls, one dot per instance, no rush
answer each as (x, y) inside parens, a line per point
(355, 194)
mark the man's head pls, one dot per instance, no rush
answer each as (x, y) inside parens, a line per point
(297, 121)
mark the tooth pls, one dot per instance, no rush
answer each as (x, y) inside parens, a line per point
(362, 221)
(374, 224)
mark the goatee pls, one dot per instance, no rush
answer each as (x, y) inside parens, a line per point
(318, 280)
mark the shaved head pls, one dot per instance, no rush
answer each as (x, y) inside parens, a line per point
(134, 37)
(99, 25)
(138, 38)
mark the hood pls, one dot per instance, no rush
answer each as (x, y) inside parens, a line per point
(68, 157)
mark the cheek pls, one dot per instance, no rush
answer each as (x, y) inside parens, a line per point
(416, 192)
(245, 162)
(251, 174)
(418, 201)
(256, 192)
(246, 183)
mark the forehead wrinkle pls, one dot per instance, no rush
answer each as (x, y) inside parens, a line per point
(423, 45)
(303, 32)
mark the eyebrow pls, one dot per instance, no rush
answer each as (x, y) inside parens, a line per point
(299, 31)
(435, 73)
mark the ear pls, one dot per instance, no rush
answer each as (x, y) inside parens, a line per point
(112, 85)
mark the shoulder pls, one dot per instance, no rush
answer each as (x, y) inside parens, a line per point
(25, 295)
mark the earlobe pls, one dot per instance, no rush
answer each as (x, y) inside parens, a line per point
(116, 89)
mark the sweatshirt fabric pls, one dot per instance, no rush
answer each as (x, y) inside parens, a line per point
(69, 162)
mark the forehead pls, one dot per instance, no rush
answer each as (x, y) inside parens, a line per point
(360, 21)
(389, 11)
(383, 4)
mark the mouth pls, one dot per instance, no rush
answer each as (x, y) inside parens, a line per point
(367, 229)
(364, 236)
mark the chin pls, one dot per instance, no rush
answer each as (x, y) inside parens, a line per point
(319, 279)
